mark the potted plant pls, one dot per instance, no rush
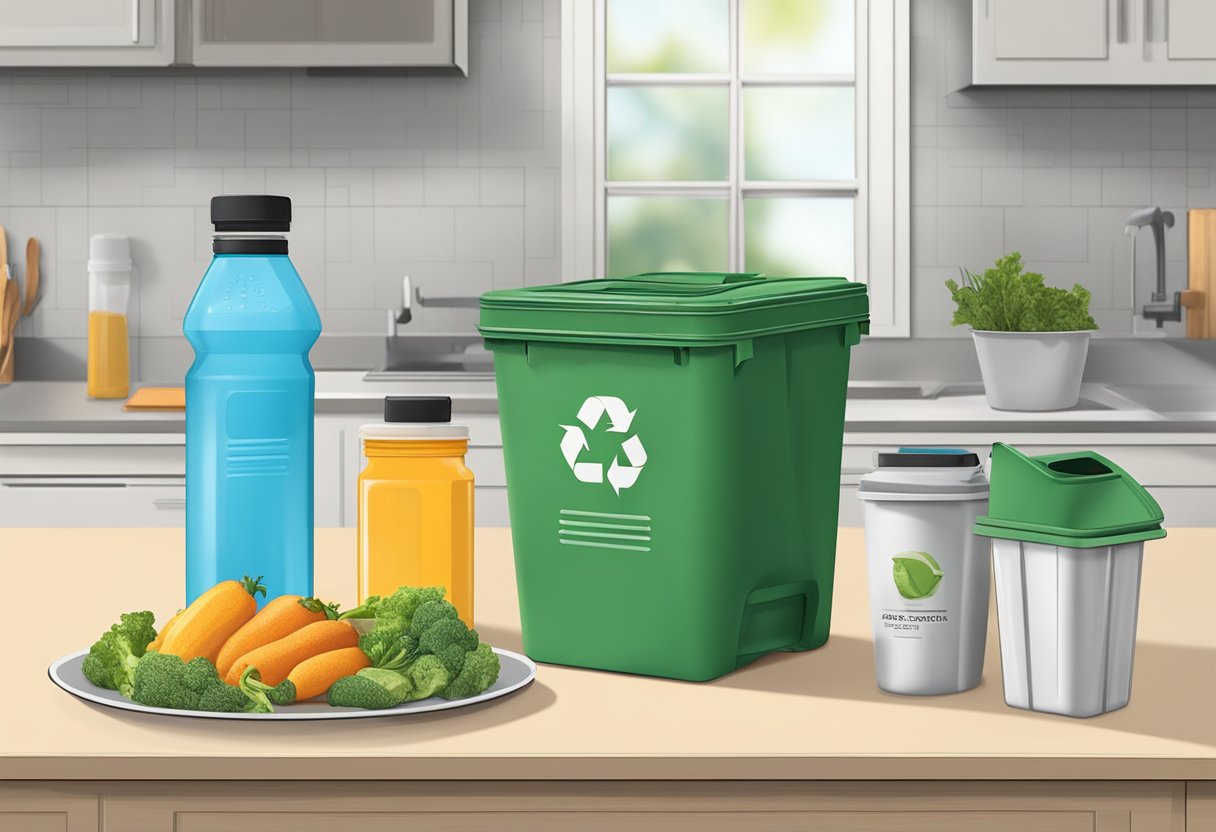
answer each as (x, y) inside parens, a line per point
(1031, 339)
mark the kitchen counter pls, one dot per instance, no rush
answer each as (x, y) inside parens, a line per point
(63, 407)
(804, 716)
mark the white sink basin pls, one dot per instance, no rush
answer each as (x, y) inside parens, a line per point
(1171, 399)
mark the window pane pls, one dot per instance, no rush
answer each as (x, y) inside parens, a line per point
(664, 234)
(811, 237)
(799, 132)
(798, 36)
(668, 36)
(668, 133)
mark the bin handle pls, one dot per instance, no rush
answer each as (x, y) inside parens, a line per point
(697, 278)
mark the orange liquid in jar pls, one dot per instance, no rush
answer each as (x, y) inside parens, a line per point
(416, 519)
(109, 363)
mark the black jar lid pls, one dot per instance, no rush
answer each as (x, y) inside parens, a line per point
(251, 212)
(418, 409)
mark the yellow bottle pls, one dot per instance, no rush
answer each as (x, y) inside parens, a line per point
(416, 502)
(109, 368)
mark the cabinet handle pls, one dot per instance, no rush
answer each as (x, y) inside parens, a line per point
(134, 21)
(1121, 21)
(1148, 22)
(169, 503)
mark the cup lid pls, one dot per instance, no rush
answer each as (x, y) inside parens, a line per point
(925, 474)
(1078, 499)
(109, 252)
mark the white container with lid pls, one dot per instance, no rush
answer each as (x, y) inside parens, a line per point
(109, 273)
(928, 572)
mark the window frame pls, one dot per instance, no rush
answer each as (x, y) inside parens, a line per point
(880, 188)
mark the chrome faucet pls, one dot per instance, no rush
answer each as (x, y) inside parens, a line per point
(1159, 309)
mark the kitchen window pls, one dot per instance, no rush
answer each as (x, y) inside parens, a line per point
(739, 135)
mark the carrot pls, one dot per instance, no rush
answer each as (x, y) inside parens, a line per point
(275, 660)
(312, 677)
(281, 617)
(214, 616)
(164, 632)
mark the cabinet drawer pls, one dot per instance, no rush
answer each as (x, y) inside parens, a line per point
(102, 502)
(93, 460)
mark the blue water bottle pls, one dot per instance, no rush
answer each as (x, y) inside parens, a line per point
(249, 406)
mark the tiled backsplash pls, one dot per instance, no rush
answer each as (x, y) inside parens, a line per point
(452, 181)
(1050, 172)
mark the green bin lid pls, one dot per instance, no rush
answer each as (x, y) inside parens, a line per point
(695, 308)
(1077, 499)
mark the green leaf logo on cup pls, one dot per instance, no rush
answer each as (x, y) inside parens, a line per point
(917, 575)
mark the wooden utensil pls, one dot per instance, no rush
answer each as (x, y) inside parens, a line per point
(3, 295)
(12, 313)
(32, 275)
(3, 246)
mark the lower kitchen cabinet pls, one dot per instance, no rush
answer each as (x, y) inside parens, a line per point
(49, 808)
(600, 807)
(91, 481)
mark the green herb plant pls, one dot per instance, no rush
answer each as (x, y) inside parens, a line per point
(1007, 299)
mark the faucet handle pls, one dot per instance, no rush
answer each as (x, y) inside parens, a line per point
(404, 315)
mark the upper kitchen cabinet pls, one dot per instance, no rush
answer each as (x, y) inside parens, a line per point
(331, 33)
(86, 32)
(1116, 42)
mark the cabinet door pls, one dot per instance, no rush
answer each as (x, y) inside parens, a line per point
(73, 23)
(39, 808)
(1038, 29)
(330, 33)
(1191, 27)
(99, 502)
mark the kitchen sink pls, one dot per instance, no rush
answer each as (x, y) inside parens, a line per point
(1171, 399)
(409, 355)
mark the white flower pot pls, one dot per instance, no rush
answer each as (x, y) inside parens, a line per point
(1032, 370)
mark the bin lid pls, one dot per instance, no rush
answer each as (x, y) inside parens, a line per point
(696, 308)
(925, 474)
(1078, 499)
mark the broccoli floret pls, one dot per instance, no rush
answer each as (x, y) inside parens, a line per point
(480, 670)
(449, 639)
(427, 676)
(112, 660)
(396, 609)
(163, 680)
(429, 614)
(160, 682)
(388, 647)
(262, 696)
(373, 688)
(224, 698)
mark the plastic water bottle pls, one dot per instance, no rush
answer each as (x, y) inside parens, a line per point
(249, 406)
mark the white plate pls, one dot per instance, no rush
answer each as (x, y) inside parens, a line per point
(516, 672)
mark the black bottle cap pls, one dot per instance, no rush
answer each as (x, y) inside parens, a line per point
(251, 212)
(417, 408)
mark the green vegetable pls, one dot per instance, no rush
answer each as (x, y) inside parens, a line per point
(397, 608)
(372, 688)
(480, 670)
(163, 680)
(1007, 299)
(112, 659)
(264, 695)
(388, 646)
(430, 613)
(449, 639)
(427, 676)
(916, 574)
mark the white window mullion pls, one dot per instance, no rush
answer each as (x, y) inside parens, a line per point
(735, 246)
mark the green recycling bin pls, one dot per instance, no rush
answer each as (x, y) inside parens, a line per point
(672, 446)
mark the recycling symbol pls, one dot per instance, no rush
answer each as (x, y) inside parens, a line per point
(574, 442)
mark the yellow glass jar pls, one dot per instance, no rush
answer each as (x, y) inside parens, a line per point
(416, 503)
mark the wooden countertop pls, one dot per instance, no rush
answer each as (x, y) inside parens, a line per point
(815, 715)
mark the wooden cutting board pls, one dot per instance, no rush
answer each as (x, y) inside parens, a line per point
(157, 398)
(1199, 298)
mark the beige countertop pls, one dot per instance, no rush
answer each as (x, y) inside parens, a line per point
(814, 715)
